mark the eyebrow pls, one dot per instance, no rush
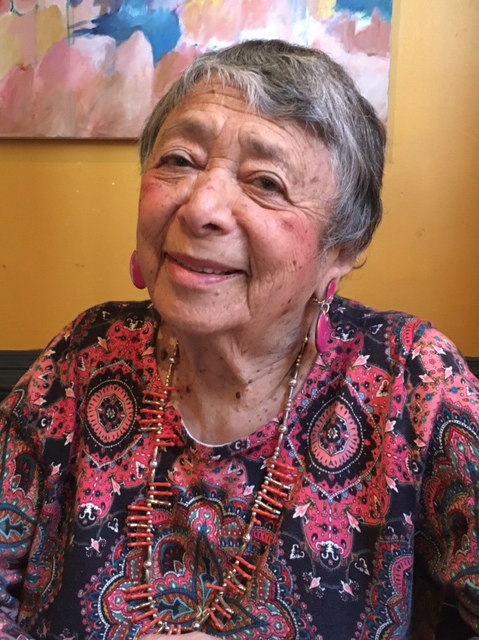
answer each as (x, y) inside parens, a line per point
(202, 130)
(265, 150)
(190, 126)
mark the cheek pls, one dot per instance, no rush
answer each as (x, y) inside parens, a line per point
(153, 197)
(153, 218)
(285, 248)
(302, 261)
(300, 245)
(157, 204)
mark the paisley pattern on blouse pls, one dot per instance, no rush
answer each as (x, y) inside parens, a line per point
(385, 430)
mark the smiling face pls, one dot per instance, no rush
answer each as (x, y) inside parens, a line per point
(231, 212)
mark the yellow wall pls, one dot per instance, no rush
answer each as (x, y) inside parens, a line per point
(425, 256)
(68, 208)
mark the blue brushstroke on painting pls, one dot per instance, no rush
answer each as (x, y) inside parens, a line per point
(161, 27)
(366, 7)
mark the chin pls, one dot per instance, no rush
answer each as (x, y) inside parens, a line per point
(188, 319)
(199, 313)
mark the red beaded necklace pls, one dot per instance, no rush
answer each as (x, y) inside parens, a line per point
(269, 503)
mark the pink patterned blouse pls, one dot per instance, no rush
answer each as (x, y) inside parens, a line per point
(384, 521)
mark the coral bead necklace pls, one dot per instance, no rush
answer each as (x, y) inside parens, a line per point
(270, 501)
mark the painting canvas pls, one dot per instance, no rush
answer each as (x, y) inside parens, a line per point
(95, 68)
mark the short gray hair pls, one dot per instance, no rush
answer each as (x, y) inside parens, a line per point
(292, 82)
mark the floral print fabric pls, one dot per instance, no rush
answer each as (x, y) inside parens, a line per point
(384, 430)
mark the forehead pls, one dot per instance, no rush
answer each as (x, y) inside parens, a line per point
(212, 96)
(206, 110)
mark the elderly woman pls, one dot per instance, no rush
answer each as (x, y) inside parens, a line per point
(246, 455)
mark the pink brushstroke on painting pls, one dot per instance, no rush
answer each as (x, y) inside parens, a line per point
(372, 40)
(95, 70)
(171, 65)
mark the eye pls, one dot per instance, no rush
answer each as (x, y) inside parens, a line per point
(176, 160)
(269, 183)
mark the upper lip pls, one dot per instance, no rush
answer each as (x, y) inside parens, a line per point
(202, 263)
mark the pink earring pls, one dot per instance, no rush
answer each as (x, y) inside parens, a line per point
(323, 327)
(135, 272)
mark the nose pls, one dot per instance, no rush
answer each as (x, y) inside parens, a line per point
(209, 206)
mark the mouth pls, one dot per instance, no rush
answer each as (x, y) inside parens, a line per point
(207, 267)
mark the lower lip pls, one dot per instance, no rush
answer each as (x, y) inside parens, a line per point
(194, 279)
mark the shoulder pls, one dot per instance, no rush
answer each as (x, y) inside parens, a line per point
(98, 322)
(366, 320)
(384, 336)
(113, 330)
(409, 345)
(100, 317)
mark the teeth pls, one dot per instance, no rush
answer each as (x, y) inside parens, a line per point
(207, 271)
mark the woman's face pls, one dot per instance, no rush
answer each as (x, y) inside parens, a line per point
(231, 212)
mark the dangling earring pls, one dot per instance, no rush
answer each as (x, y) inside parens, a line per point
(323, 327)
(135, 272)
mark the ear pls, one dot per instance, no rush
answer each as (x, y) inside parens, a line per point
(334, 265)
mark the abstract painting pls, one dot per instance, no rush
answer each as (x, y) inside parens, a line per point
(95, 68)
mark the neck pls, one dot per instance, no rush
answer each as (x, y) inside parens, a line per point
(229, 389)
